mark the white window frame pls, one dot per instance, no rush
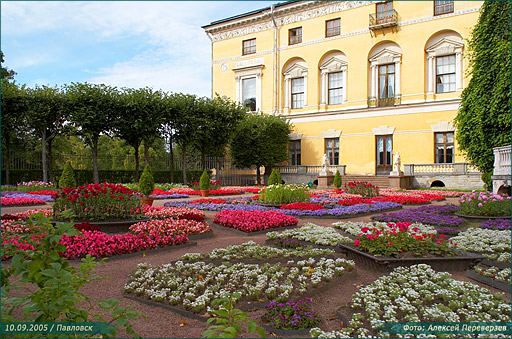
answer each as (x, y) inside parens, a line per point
(252, 71)
(444, 47)
(296, 70)
(384, 57)
(332, 65)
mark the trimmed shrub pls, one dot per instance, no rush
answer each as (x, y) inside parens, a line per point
(486, 178)
(67, 179)
(147, 182)
(204, 181)
(272, 178)
(337, 179)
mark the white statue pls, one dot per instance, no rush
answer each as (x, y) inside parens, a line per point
(396, 164)
(325, 162)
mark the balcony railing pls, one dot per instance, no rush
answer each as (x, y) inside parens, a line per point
(383, 19)
(502, 160)
(426, 169)
(311, 169)
(381, 102)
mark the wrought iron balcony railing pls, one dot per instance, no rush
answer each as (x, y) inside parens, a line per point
(383, 19)
(381, 102)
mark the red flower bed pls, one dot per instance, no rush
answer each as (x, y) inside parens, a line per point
(254, 190)
(85, 226)
(431, 196)
(26, 214)
(214, 183)
(302, 206)
(168, 227)
(163, 212)
(219, 192)
(355, 201)
(252, 221)
(403, 199)
(21, 201)
(208, 201)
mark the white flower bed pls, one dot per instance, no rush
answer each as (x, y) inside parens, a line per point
(354, 228)
(312, 233)
(499, 257)
(419, 294)
(251, 250)
(502, 275)
(195, 285)
(481, 240)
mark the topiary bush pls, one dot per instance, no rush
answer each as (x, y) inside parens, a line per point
(274, 178)
(278, 177)
(67, 179)
(337, 179)
(486, 178)
(147, 182)
(204, 181)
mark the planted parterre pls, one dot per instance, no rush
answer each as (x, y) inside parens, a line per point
(311, 233)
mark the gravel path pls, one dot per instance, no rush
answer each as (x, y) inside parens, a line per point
(163, 323)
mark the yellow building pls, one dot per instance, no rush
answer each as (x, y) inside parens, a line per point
(359, 80)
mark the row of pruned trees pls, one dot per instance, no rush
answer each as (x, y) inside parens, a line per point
(134, 115)
(139, 117)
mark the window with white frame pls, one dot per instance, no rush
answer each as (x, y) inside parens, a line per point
(385, 66)
(294, 153)
(333, 81)
(444, 63)
(248, 74)
(295, 84)
(445, 74)
(249, 93)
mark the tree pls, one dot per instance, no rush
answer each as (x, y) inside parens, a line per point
(46, 115)
(260, 140)
(138, 119)
(67, 178)
(14, 109)
(483, 120)
(7, 74)
(93, 109)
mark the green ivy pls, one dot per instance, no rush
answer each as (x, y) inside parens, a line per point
(483, 120)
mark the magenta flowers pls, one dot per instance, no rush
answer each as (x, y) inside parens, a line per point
(252, 221)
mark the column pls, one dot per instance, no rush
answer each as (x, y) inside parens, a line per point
(398, 91)
(258, 92)
(431, 77)
(458, 71)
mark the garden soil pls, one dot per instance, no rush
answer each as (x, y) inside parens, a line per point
(163, 323)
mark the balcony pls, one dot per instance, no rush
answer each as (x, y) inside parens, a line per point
(384, 19)
(383, 102)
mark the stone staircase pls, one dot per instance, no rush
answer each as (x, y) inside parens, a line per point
(381, 181)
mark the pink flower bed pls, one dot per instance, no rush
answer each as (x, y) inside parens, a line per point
(163, 212)
(9, 227)
(26, 214)
(208, 201)
(252, 221)
(180, 190)
(430, 195)
(99, 244)
(301, 206)
(168, 227)
(221, 191)
(21, 201)
(343, 196)
(43, 192)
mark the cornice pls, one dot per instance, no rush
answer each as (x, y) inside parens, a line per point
(288, 14)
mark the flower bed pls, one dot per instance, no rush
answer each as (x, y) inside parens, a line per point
(26, 214)
(251, 250)
(292, 315)
(502, 275)
(161, 194)
(98, 202)
(284, 194)
(163, 212)
(301, 206)
(208, 201)
(218, 192)
(419, 215)
(346, 211)
(34, 186)
(418, 294)
(319, 235)
(251, 221)
(365, 189)
(496, 224)
(485, 204)
(357, 228)
(172, 227)
(482, 241)
(44, 192)
(195, 285)
(21, 201)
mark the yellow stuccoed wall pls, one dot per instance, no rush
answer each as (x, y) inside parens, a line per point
(413, 137)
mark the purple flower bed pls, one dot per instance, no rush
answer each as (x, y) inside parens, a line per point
(413, 216)
(218, 207)
(340, 210)
(26, 195)
(169, 196)
(448, 231)
(292, 315)
(497, 224)
(437, 209)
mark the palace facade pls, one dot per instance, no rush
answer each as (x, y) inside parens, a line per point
(359, 80)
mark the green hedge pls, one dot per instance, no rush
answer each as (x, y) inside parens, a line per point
(84, 177)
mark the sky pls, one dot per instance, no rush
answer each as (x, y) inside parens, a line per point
(159, 44)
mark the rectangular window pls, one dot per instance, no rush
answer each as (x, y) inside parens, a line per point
(387, 85)
(294, 152)
(443, 7)
(444, 147)
(332, 27)
(332, 149)
(445, 74)
(249, 46)
(384, 12)
(384, 150)
(298, 93)
(335, 88)
(295, 36)
(249, 93)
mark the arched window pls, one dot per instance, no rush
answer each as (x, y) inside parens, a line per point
(333, 78)
(385, 68)
(295, 84)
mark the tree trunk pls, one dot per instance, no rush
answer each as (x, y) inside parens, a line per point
(258, 178)
(94, 149)
(137, 163)
(50, 160)
(8, 160)
(184, 164)
(217, 176)
(172, 159)
(43, 155)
